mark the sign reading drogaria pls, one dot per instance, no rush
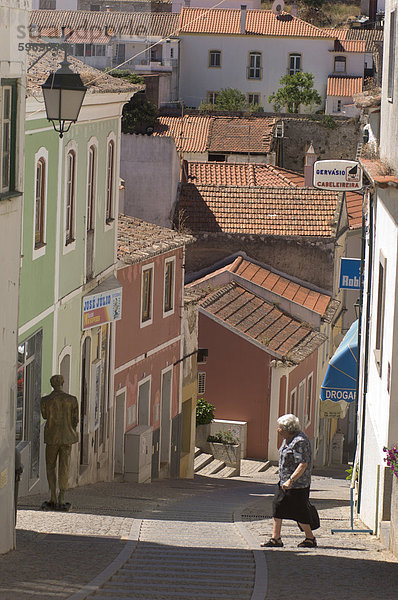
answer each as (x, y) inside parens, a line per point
(339, 175)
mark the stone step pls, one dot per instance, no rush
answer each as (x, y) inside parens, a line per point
(165, 573)
(179, 559)
(226, 472)
(250, 466)
(197, 589)
(202, 460)
(197, 451)
(212, 467)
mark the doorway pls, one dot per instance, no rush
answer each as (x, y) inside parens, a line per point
(144, 392)
(85, 391)
(165, 422)
(120, 426)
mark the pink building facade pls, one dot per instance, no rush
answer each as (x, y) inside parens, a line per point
(149, 348)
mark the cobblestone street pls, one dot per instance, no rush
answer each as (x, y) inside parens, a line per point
(191, 539)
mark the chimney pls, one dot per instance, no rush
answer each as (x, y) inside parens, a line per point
(310, 159)
(243, 8)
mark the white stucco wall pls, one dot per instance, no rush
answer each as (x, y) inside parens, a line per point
(195, 83)
(382, 396)
(250, 4)
(150, 167)
(389, 120)
(13, 14)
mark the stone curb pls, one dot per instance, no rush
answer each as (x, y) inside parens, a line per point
(261, 571)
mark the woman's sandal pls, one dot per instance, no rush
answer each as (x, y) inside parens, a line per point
(308, 543)
(272, 543)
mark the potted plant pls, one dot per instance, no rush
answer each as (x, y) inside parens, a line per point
(225, 446)
(204, 417)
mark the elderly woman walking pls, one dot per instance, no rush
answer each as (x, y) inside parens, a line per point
(291, 499)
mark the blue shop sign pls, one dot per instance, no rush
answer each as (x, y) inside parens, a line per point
(350, 274)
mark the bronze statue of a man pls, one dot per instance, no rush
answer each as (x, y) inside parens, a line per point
(62, 413)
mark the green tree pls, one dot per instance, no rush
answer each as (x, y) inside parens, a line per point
(295, 89)
(139, 115)
(230, 99)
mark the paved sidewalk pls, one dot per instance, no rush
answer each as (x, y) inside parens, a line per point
(59, 553)
(345, 566)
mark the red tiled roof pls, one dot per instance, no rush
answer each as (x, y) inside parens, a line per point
(197, 133)
(241, 174)
(344, 86)
(138, 240)
(354, 201)
(280, 285)
(90, 25)
(240, 134)
(369, 36)
(258, 22)
(284, 211)
(262, 322)
(190, 132)
(349, 46)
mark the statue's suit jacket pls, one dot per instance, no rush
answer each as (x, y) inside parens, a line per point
(62, 413)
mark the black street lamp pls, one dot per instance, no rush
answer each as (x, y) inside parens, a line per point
(63, 94)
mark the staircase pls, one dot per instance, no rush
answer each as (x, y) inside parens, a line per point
(205, 464)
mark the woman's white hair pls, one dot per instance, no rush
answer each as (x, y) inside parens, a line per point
(289, 423)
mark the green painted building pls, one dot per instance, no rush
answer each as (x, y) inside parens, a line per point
(69, 296)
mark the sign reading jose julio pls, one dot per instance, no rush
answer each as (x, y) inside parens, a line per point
(101, 308)
(341, 175)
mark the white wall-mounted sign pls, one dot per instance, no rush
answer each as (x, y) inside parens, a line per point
(338, 175)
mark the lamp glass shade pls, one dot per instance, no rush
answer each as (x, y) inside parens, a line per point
(63, 96)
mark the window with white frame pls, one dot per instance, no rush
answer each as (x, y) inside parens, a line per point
(201, 383)
(308, 401)
(293, 402)
(294, 63)
(7, 135)
(110, 177)
(146, 294)
(91, 176)
(169, 286)
(253, 99)
(381, 294)
(40, 202)
(254, 69)
(70, 196)
(340, 64)
(211, 97)
(300, 403)
(215, 58)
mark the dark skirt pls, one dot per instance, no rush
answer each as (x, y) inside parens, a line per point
(292, 504)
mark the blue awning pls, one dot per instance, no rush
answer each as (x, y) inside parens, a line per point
(341, 376)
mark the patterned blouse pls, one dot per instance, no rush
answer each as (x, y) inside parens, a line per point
(291, 454)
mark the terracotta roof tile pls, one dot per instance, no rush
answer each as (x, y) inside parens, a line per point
(349, 46)
(100, 26)
(344, 86)
(240, 134)
(369, 36)
(138, 240)
(258, 22)
(190, 132)
(281, 285)
(266, 211)
(241, 174)
(354, 201)
(97, 81)
(259, 321)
